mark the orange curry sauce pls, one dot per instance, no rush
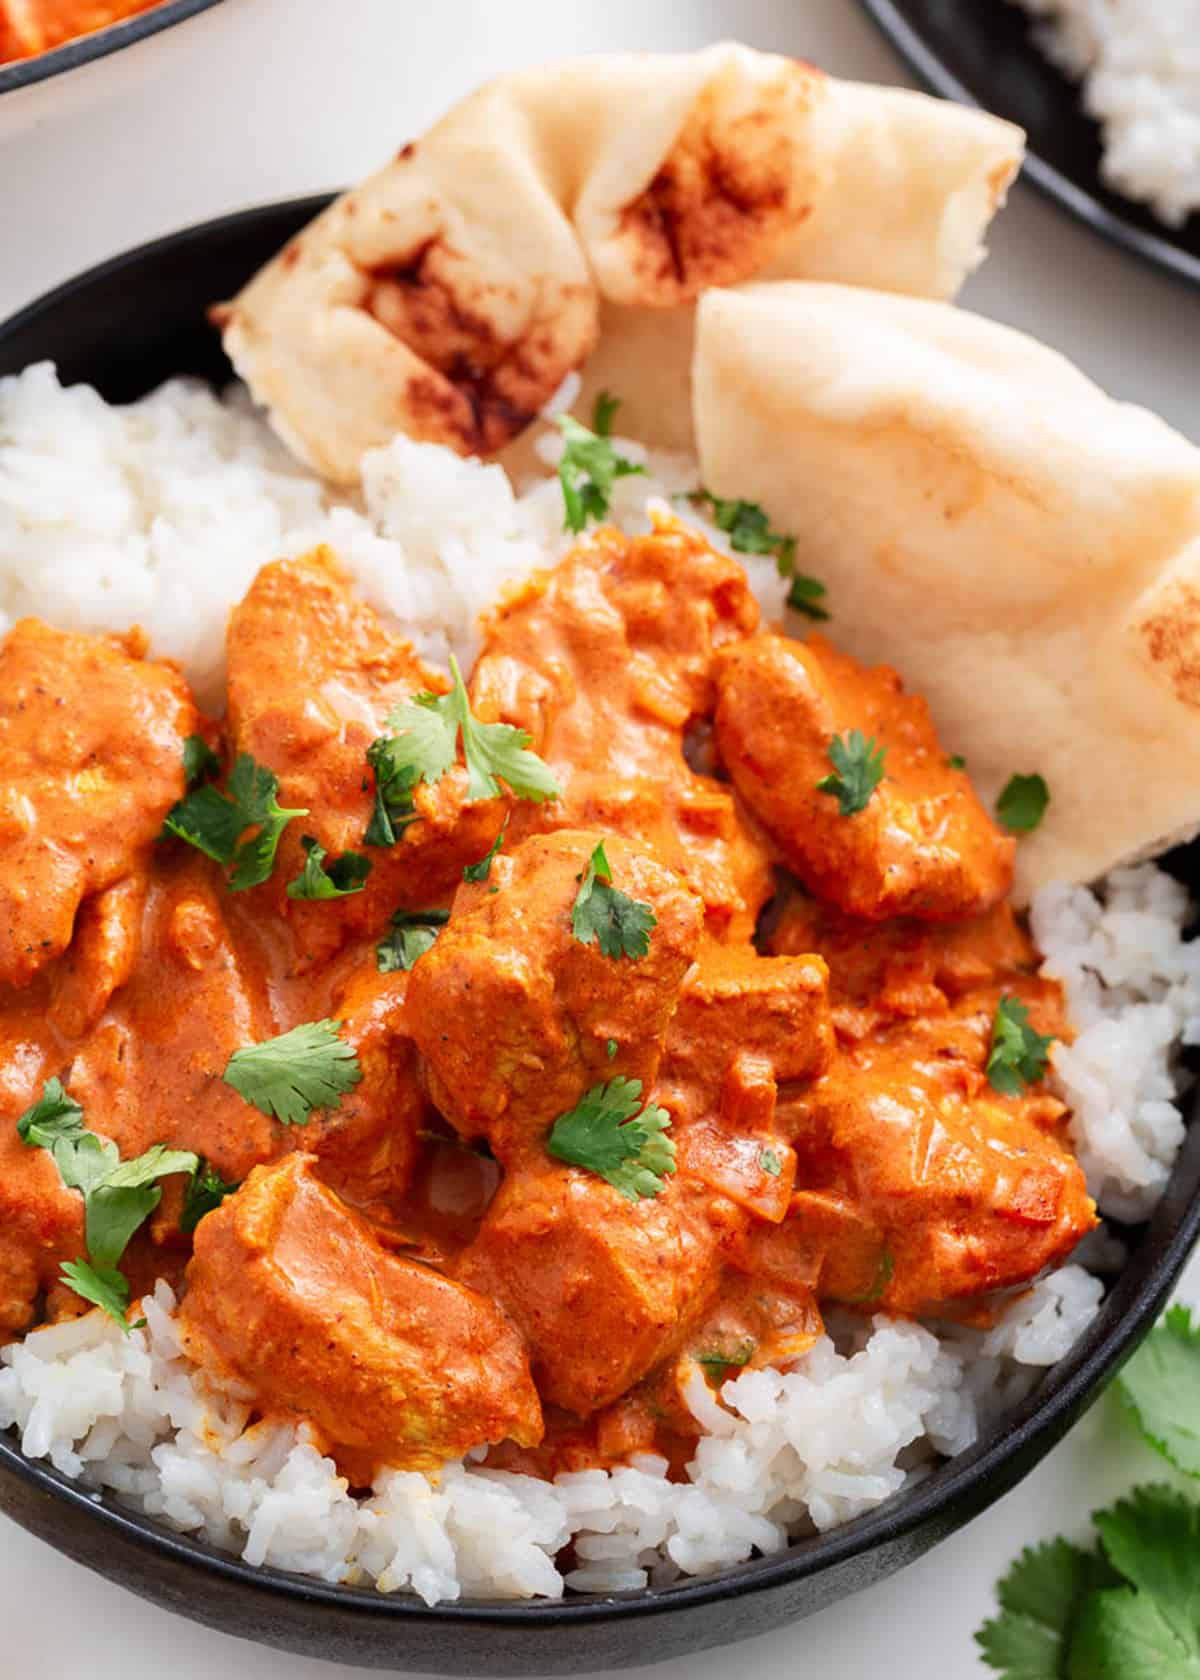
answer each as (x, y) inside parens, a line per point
(413, 1271)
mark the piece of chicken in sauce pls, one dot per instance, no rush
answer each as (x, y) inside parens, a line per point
(920, 843)
(507, 1159)
(608, 663)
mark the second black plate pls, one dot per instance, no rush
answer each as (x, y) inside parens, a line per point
(982, 52)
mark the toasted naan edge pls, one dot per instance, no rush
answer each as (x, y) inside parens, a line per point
(1022, 548)
(575, 212)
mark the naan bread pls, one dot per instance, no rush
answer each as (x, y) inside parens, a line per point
(572, 214)
(1023, 549)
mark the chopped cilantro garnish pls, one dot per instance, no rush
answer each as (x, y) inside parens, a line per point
(411, 934)
(199, 761)
(857, 771)
(604, 411)
(216, 822)
(717, 1360)
(1019, 1054)
(118, 1196)
(749, 530)
(480, 870)
(620, 925)
(395, 779)
(805, 595)
(956, 761)
(104, 1286)
(206, 1190)
(1161, 1386)
(308, 1068)
(589, 467)
(425, 743)
(611, 1048)
(1022, 805)
(336, 878)
(602, 1134)
(770, 1163)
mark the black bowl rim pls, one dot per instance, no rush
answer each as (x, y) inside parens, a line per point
(86, 49)
(1032, 1428)
(923, 57)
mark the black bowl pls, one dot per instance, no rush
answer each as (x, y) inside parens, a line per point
(982, 52)
(124, 327)
(86, 49)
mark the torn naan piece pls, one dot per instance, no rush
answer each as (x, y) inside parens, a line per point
(575, 212)
(1022, 547)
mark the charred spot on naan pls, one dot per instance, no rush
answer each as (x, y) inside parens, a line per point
(489, 367)
(725, 197)
(1172, 641)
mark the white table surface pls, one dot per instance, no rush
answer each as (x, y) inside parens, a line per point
(260, 99)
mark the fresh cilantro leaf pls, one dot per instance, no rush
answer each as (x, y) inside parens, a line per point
(749, 532)
(717, 1360)
(54, 1115)
(481, 870)
(1151, 1627)
(857, 771)
(128, 1194)
(805, 595)
(611, 1048)
(336, 879)
(411, 935)
(288, 1077)
(395, 779)
(1161, 1386)
(956, 761)
(620, 925)
(601, 1134)
(84, 1162)
(103, 1286)
(1040, 1601)
(885, 1271)
(206, 1191)
(770, 1163)
(199, 761)
(1022, 805)
(425, 746)
(215, 822)
(588, 469)
(1019, 1054)
(604, 411)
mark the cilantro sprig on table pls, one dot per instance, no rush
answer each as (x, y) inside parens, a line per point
(590, 465)
(240, 828)
(857, 771)
(603, 915)
(606, 1134)
(424, 745)
(1127, 1608)
(118, 1196)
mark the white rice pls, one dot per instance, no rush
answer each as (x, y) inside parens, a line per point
(161, 513)
(1139, 62)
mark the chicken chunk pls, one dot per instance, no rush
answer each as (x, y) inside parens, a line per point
(41, 1225)
(91, 741)
(313, 675)
(607, 662)
(514, 1015)
(151, 1071)
(600, 1287)
(918, 1185)
(290, 1293)
(922, 846)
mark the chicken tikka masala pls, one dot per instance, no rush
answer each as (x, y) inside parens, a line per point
(479, 1059)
